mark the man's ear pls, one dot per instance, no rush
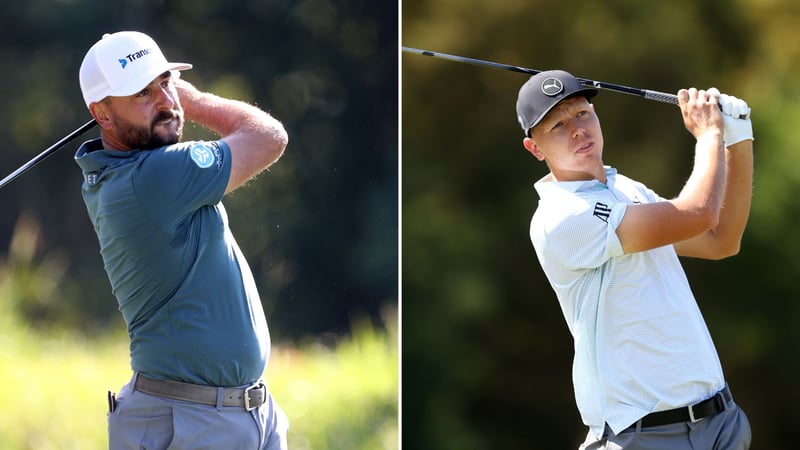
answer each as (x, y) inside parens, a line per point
(530, 146)
(101, 114)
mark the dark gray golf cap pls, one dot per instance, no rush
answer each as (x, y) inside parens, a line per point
(543, 91)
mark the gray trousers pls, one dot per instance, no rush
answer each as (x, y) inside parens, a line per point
(728, 430)
(148, 422)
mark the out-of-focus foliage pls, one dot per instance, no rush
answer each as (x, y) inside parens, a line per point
(486, 353)
(335, 398)
(319, 229)
(342, 398)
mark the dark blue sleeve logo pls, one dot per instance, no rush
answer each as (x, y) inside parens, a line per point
(602, 211)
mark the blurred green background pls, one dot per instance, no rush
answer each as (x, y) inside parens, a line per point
(320, 229)
(486, 355)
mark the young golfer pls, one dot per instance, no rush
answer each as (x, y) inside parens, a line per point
(646, 372)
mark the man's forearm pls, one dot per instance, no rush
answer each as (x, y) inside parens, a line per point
(703, 191)
(220, 115)
(738, 194)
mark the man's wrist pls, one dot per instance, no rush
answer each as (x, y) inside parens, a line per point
(711, 137)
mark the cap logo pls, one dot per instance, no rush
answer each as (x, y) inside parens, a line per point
(552, 87)
(134, 56)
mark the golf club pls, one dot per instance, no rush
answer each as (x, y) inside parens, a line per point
(645, 93)
(49, 151)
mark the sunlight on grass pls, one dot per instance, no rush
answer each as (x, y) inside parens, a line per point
(54, 389)
(342, 399)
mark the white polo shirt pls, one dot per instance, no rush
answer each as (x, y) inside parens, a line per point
(641, 343)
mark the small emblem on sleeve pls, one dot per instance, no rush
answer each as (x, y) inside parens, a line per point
(202, 156)
(602, 211)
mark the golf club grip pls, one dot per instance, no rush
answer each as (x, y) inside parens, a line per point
(671, 98)
(660, 96)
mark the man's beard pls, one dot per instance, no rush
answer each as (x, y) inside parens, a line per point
(146, 138)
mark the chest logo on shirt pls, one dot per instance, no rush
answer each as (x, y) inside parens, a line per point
(602, 211)
(201, 156)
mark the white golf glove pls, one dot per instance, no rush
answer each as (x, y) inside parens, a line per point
(735, 116)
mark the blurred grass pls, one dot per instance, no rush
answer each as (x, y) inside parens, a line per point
(54, 385)
(345, 398)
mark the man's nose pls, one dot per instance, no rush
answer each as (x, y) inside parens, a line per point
(578, 130)
(165, 99)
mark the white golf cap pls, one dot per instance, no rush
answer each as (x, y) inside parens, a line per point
(122, 64)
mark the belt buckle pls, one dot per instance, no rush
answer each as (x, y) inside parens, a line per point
(247, 405)
(691, 415)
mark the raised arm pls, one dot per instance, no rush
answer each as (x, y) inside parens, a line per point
(256, 138)
(725, 239)
(697, 207)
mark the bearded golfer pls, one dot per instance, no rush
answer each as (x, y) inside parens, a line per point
(646, 372)
(199, 342)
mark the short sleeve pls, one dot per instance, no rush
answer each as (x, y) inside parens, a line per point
(578, 234)
(177, 180)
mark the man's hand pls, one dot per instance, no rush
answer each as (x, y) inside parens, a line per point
(700, 110)
(187, 94)
(736, 116)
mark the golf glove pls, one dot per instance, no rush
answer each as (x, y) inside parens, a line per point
(735, 116)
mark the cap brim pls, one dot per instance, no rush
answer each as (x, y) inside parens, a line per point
(139, 82)
(586, 92)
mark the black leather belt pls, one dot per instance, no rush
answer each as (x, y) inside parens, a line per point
(248, 398)
(691, 413)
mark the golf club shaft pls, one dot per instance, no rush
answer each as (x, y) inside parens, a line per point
(645, 93)
(49, 151)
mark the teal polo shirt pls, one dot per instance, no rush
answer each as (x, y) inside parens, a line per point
(182, 284)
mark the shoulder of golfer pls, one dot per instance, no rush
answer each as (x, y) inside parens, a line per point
(696, 209)
(256, 139)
